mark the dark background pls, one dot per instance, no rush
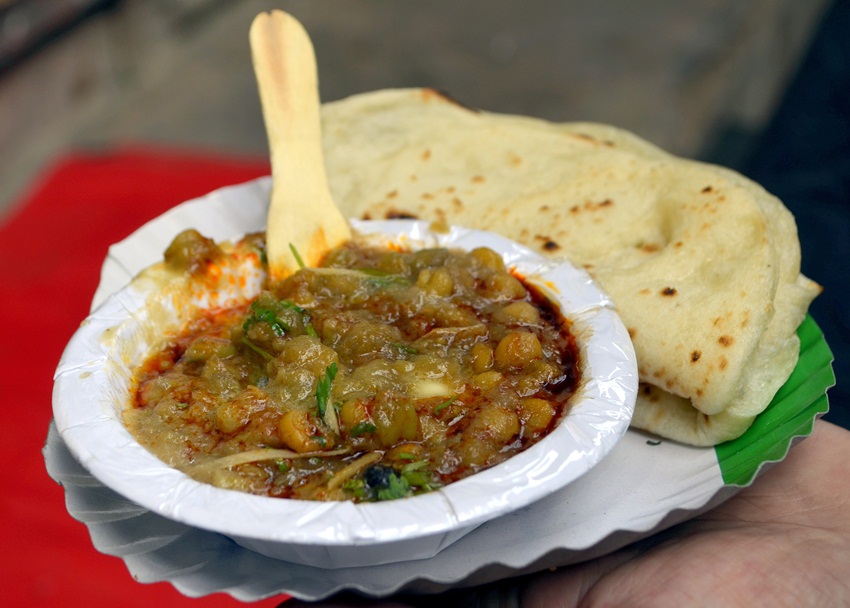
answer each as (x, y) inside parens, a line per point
(803, 157)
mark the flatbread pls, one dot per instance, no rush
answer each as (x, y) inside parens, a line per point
(702, 263)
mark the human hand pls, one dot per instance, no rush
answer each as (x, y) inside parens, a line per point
(783, 541)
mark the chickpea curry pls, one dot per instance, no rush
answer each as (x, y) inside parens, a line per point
(379, 375)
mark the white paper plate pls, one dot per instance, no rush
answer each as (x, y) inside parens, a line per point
(628, 496)
(94, 378)
(641, 487)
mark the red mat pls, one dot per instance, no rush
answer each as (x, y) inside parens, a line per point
(51, 250)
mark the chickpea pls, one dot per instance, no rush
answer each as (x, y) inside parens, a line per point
(434, 437)
(342, 257)
(519, 312)
(365, 341)
(473, 453)
(308, 353)
(207, 347)
(191, 251)
(536, 414)
(463, 278)
(489, 258)
(229, 419)
(154, 391)
(487, 380)
(503, 286)
(481, 357)
(495, 423)
(331, 330)
(236, 414)
(292, 383)
(433, 258)
(352, 413)
(366, 381)
(437, 281)
(393, 264)
(535, 376)
(395, 420)
(341, 283)
(300, 433)
(450, 315)
(490, 430)
(221, 378)
(516, 350)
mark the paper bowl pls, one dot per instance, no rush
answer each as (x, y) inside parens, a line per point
(93, 384)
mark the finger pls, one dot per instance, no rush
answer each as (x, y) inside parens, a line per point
(568, 586)
(811, 486)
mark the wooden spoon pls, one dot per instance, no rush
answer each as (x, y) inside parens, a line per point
(302, 215)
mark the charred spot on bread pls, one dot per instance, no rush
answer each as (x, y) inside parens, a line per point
(395, 214)
(548, 243)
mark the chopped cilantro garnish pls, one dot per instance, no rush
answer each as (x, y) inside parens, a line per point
(323, 388)
(261, 314)
(441, 406)
(256, 349)
(293, 306)
(417, 479)
(379, 278)
(361, 428)
(413, 466)
(397, 487)
(418, 476)
(408, 350)
(356, 486)
(308, 329)
(297, 256)
(305, 317)
(384, 482)
(303, 312)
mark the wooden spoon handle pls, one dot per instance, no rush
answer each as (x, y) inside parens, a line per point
(302, 213)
